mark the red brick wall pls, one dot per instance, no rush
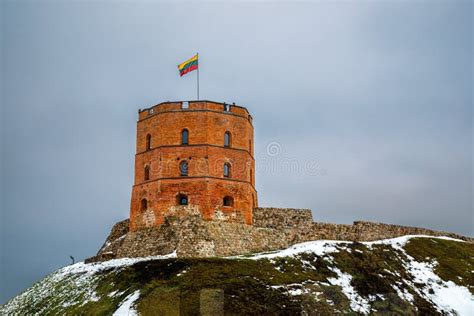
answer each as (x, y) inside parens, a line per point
(205, 154)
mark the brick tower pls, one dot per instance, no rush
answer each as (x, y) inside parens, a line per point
(195, 155)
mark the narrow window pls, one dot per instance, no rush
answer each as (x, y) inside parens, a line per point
(143, 204)
(148, 142)
(226, 107)
(250, 146)
(228, 201)
(183, 168)
(227, 139)
(251, 175)
(147, 173)
(184, 137)
(227, 170)
(182, 199)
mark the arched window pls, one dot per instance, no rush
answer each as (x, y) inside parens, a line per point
(227, 139)
(227, 170)
(148, 142)
(147, 173)
(228, 201)
(184, 137)
(182, 199)
(143, 204)
(183, 168)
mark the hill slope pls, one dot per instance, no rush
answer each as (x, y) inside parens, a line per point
(403, 275)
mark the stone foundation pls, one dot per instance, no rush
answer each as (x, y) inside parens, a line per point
(187, 233)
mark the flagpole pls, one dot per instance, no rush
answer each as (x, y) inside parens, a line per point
(198, 75)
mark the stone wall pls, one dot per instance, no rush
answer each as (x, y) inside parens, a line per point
(368, 231)
(281, 217)
(194, 237)
(187, 233)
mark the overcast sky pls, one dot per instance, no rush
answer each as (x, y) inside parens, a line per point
(369, 102)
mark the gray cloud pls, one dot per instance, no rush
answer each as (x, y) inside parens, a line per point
(378, 95)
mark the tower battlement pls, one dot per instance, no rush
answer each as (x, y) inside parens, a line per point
(202, 105)
(193, 153)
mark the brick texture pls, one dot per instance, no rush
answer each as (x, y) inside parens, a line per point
(160, 152)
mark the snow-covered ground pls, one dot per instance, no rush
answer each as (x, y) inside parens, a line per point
(80, 288)
(323, 247)
(446, 296)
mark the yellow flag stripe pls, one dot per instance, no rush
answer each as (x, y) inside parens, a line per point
(182, 65)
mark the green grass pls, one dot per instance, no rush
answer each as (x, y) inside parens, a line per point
(259, 287)
(455, 259)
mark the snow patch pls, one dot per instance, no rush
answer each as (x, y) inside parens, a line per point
(400, 242)
(358, 303)
(126, 308)
(447, 297)
(318, 247)
(295, 292)
(92, 268)
(404, 295)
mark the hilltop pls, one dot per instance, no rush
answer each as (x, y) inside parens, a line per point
(185, 231)
(404, 275)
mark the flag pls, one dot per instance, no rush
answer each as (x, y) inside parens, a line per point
(189, 65)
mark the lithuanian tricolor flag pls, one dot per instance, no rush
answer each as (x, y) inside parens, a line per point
(189, 65)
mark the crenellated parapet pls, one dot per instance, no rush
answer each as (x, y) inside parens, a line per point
(201, 105)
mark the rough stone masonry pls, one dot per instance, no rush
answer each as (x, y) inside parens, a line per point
(186, 232)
